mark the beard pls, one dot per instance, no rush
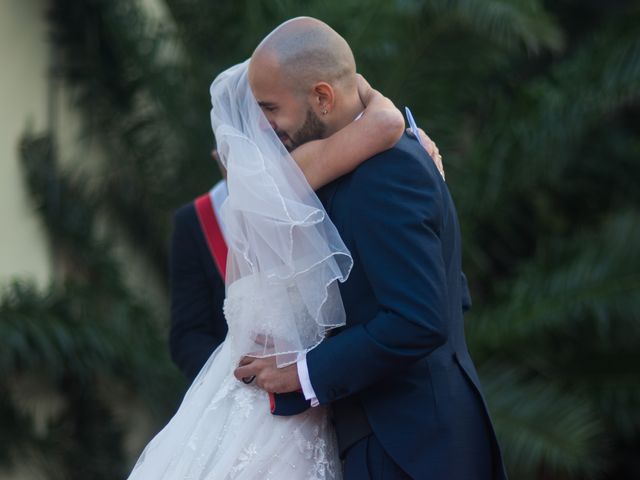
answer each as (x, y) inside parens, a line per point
(312, 129)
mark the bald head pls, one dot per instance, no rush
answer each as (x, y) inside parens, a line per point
(303, 76)
(308, 51)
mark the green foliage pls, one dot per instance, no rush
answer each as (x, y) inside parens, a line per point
(542, 427)
(76, 343)
(74, 346)
(534, 106)
(560, 350)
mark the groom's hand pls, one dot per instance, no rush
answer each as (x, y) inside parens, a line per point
(267, 374)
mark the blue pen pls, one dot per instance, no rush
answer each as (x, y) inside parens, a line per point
(413, 126)
(414, 130)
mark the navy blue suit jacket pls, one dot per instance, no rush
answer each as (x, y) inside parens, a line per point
(198, 325)
(403, 354)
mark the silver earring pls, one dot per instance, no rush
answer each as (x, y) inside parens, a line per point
(324, 111)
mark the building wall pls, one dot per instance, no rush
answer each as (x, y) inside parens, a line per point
(26, 94)
(27, 98)
(23, 101)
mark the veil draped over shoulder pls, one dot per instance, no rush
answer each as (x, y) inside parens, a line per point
(285, 255)
(285, 259)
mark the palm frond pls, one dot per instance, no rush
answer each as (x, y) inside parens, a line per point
(139, 101)
(543, 430)
(593, 275)
(71, 330)
(557, 117)
(507, 22)
(75, 344)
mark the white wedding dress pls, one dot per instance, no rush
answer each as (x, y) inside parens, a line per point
(284, 264)
(224, 429)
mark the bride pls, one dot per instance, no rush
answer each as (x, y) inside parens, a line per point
(285, 259)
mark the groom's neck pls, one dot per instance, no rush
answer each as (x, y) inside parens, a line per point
(345, 113)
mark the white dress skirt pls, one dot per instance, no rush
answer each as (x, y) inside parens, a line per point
(224, 429)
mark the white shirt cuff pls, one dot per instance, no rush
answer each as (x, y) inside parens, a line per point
(305, 381)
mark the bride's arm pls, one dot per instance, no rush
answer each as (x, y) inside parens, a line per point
(379, 128)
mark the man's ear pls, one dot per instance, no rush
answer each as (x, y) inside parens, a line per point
(323, 98)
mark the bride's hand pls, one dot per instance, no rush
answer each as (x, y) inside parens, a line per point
(365, 91)
(431, 148)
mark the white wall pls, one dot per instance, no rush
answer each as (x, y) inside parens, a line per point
(24, 53)
(23, 99)
(24, 250)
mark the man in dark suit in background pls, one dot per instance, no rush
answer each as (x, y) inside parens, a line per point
(198, 325)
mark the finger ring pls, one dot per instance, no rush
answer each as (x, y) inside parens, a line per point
(248, 380)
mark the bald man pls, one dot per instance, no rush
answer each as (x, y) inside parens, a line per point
(405, 395)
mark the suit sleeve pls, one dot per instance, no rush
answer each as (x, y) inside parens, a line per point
(197, 320)
(397, 211)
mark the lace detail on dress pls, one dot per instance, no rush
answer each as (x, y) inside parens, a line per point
(246, 456)
(265, 319)
(224, 429)
(313, 446)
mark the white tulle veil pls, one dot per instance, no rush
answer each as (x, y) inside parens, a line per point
(284, 251)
